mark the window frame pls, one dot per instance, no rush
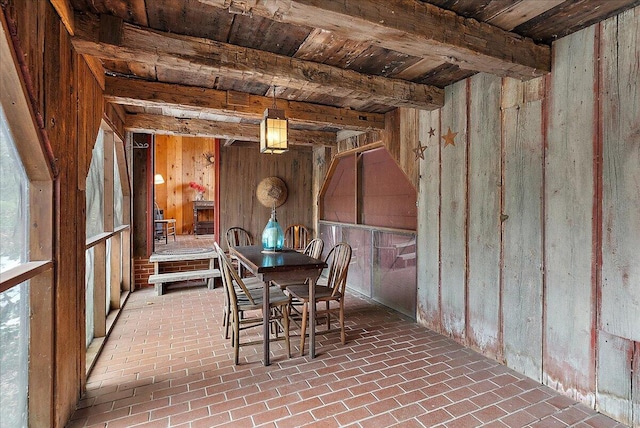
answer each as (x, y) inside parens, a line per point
(39, 269)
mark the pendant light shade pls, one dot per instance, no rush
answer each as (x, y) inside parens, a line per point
(273, 130)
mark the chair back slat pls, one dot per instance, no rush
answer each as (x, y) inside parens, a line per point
(237, 236)
(314, 248)
(296, 236)
(229, 275)
(338, 261)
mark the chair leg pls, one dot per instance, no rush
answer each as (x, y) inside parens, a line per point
(343, 336)
(236, 345)
(285, 316)
(328, 317)
(304, 327)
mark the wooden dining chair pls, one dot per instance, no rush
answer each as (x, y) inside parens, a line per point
(338, 261)
(296, 237)
(237, 236)
(242, 299)
(313, 249)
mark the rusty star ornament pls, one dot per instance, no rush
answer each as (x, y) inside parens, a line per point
(432, 132)
(449, 138)
(419, 151)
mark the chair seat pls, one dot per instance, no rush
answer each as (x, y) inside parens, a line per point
(301, 292)
(276, 297)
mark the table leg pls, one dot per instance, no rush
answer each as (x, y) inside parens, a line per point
(265, 321)
(312, 318)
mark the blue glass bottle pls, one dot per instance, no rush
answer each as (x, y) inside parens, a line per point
(272, 235)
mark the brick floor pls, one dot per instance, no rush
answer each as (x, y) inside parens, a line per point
(167, 364)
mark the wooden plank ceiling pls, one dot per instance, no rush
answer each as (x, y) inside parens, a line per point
(211, 67)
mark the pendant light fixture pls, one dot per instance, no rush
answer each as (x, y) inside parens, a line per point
(273, 130)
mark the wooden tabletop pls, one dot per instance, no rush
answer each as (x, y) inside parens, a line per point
(286, 260)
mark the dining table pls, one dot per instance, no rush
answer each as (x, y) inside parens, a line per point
(283, 265)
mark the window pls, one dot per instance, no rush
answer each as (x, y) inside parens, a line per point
(26, 268)
(14, 302)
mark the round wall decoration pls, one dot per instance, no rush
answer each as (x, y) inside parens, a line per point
(272, 192)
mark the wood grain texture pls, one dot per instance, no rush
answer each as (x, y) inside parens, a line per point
(569, 323)
(522, 292)
(152, 123)
(415, 28)
(182, 53)
(428, 237)
(615, 377)
(453, 210)
(483, 323)
(241, 169)
(156, 94)
(620, 93)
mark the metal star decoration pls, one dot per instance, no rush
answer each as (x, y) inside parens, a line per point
(449, 138)
(419, 151)
(432, 132)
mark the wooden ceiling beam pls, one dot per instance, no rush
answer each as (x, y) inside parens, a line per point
(413, 27)
(214, 129)
(142, 93)
(185, 53)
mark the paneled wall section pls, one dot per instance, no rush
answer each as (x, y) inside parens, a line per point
(529, 218)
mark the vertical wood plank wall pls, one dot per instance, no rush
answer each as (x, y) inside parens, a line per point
(242, 168)
(181, 160)
(529, 227)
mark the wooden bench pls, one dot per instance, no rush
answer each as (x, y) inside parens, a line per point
(161, 279)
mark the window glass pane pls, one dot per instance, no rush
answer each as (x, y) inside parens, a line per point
(14, 210)
(89, 260)
(117, 193)
(95, 189)
(394, 274)
(14, 357)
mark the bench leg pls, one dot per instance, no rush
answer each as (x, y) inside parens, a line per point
(210, 283)
(159, 290)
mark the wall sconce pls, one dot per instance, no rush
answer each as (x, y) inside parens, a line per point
(158, 179)
(273, 130)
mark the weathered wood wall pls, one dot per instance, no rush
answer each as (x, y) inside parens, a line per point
(242, 168)
(529, 226)
(69, 99)
(181, 160)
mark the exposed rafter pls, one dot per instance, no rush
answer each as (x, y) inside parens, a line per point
(412, 27)
(142, 93)
(224, 130)
(184, 53)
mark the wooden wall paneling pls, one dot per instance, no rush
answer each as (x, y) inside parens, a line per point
(60, 117)
(99, 289)
(188, 147)
(90, 116)
(108, 180)
(241, 169)
(615, 374)
(41, 385)
(115, 281)
(139, 208)
(321, 161)
(620, 95)
(522, 269)
(161, 143)
(409, 140)
(453, 206)
(483, 222)
(428, 238)
(569, 354)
